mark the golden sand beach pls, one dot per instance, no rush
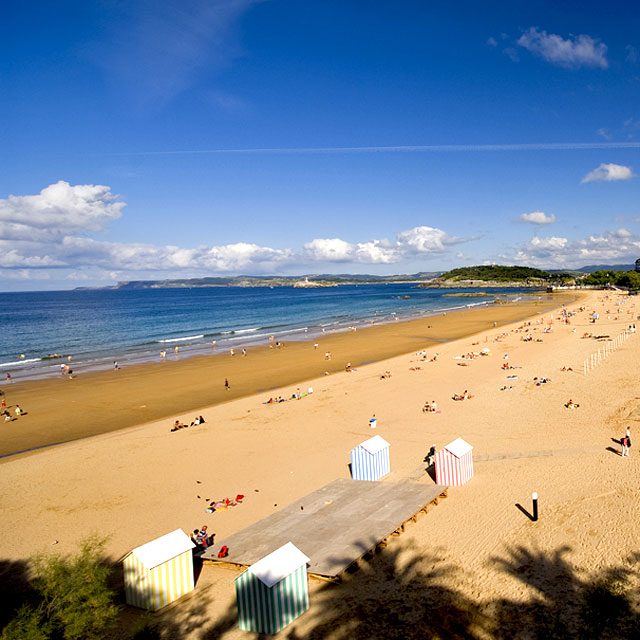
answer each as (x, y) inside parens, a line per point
(136, 480)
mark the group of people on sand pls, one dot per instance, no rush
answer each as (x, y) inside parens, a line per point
(6, 414)
(223, 505)
(430, 407)
(201, 538)
(181, 425)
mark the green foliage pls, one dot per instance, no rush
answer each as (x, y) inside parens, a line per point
(630, 279)
(75, 599)
(499, 273)
(28, 624)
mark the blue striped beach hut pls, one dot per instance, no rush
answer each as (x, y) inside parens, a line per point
(159, 571)
(274, 591)
(370, 459)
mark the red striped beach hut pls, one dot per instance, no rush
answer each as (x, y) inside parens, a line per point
(454, 464)
(274, 591)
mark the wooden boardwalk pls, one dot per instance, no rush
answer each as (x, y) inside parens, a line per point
(334, 526)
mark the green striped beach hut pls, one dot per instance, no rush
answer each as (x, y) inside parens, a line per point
(159, 571)
(274, 591)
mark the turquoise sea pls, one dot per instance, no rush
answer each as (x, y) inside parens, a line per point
(96, 327)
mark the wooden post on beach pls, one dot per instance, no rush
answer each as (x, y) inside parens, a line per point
(534, 498)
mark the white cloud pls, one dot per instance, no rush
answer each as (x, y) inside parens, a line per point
(572, 52)
(58, 209)
(51, 232)
(608, 173)
(537, 217)
(328, 249)
(492, 42)
(617, 246)
(426, 240)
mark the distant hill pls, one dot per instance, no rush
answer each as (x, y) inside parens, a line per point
(499, 275)
(607, 267)
(323, 280)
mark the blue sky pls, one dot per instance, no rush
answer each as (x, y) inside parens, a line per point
(151, 139)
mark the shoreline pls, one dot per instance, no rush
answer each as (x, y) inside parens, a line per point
(62, 410)
(201, 341)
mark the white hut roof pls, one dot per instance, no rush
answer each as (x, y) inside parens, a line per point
(278, 564)
(374, 445)
(458, 447)
(163, 548)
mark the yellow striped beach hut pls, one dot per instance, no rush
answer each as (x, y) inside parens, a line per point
(159, 571)
(274, 591)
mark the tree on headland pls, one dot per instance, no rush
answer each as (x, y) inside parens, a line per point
(72, 597)
(629, 279)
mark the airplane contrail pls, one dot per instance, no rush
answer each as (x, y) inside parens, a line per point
(533, 146)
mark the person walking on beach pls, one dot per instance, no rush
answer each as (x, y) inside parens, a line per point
(18, 411)
(625, 446)
(227, 386)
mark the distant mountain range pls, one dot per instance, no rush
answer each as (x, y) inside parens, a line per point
(330, 280)
(606, 267)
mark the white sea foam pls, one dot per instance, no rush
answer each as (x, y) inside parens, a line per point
(19, 362)
(182, 339)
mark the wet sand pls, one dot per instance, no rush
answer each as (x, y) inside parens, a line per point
(60, 410)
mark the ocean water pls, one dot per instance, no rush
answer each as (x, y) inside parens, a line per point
(38, 330)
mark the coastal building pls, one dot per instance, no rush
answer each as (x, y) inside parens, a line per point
(274, 591)
(159, 572)
(370, 459)
(454, 464)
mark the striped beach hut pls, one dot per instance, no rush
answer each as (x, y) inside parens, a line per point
(454, 464)
(159, 571)
(370, 459)
(274, 591)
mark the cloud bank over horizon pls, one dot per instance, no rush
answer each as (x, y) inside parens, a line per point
(52, 230)
(48, 236)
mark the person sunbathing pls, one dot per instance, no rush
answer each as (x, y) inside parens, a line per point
(178, 425)
(571, 405)
(463, 396)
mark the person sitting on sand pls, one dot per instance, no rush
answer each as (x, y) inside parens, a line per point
(427, 407)
(195, 538)
(203, 535)
(571, 404)
(178, 425)
(565, 368)
(385, 375)
(348, 367)
(463, 396)
(430, 457)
